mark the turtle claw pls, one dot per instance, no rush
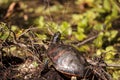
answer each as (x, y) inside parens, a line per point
(73, 78)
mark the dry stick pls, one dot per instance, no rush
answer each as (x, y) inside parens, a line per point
(10, 10)
(87, 40)
(118, 3)
(107, 65)
(91, 38)
(106, 74)
(16, 39)
(114, 65)
(27, 30)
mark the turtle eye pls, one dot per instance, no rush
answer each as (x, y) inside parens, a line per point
(56, 38)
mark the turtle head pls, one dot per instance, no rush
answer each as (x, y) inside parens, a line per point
(56, 38)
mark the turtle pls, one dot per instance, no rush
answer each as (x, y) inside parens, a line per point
(66, 59)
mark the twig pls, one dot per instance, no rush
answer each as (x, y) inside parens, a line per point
(87, 40)
(114, 65)
(27, 30)
(103, 64)
(10, 10)
(118, 3)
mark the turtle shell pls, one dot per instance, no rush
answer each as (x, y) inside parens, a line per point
(67, 60)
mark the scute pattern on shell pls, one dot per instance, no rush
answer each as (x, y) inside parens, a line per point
(67, 59)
